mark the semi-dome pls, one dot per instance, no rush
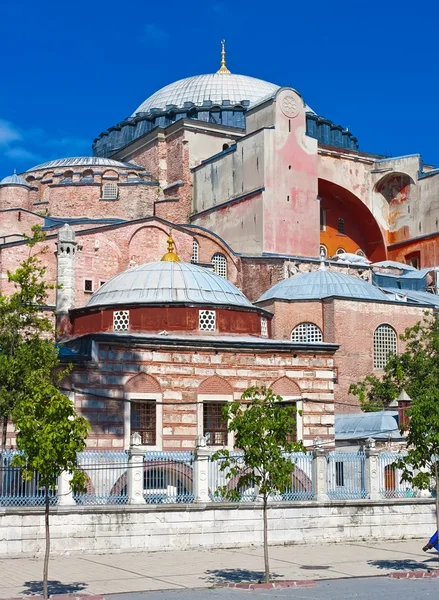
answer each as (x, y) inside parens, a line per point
(323, 284)
(168, 282)
(214, 87)
(85, 161)
(14, 180)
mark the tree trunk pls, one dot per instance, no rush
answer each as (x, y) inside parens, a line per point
(46, 555)
(266, 563)
(4, 433)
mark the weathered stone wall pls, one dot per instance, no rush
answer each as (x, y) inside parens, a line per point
(117, 529)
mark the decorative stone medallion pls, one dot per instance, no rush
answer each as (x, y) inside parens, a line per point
(290, 107)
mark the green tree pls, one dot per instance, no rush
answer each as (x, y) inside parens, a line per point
(416, 370)
(49, 436)
(23, 324)
(263, 428)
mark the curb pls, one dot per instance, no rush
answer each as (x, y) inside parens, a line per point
(415, 575)
(77, 596)
(268, 586)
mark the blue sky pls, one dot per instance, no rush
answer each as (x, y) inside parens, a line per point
(70, 70)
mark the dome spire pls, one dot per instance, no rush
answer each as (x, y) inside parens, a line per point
(171, 255)
(223, 69)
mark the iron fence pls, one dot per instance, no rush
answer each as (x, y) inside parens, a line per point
(168, 477)
(106, 472)
(219, 478)
(346, 475)
(390, 484)
(14, 490)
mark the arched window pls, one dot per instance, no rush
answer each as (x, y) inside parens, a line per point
(360, 252)
(225, 147)
(67, 177)
(195, 249)
(307, 333)
(384, 344)
(323, 251)
(87, 176)
(340, 225)
(109, 191)
(220, 265)
(341, 251)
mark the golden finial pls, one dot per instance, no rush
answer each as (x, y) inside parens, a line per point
(170, 255)
(223, 69)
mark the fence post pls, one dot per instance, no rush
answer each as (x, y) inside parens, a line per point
(319, 469)
(201, 471)
(135, 471)
(372, 476)
(65, 495)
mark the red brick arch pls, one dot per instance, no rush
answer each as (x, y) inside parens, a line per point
(215, 385)
(286, 387)
(143, 383)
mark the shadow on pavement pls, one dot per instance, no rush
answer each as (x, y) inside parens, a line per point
(237, 576)
(403, 565)
(54, 587)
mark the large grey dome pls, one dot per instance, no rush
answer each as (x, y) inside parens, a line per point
(85, 161)
(323, 284)
(215, 87)
(164, 282)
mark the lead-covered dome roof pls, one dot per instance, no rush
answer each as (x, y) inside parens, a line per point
(168, 282)
(317, 285)
(215, 87)
(14, 180)
(86, 161)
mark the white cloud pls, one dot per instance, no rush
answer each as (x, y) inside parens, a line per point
(154, 33)
(9, 133)
(20, 153)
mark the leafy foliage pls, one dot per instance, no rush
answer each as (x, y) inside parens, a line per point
(263, 428)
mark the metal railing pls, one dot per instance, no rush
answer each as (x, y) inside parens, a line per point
(346, 475)
(219, 478)
(390, 484)
(168, 477)
(106, 472)
(14, 490)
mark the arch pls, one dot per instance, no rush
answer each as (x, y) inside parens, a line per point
(361, 229)
(323, 250)
(219, 262)
(215, 385)
(340, 251)
(395, 187)
(87, 176)
(110, 174)
(110, 190)
(384, 345)
(67, 177)
(284, 386)
(195, 251)
(307, 333)
(143, 384)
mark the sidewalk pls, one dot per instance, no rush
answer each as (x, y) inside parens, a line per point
(132, 572)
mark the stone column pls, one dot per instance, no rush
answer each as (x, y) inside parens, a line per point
(372, 482)
(135, 471)
(319, 472)
(65, 277)
(201, 471)
(65, 495)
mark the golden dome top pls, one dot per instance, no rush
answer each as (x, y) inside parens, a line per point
(170, 255)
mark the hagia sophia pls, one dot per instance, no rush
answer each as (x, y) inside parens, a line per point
(222, 236)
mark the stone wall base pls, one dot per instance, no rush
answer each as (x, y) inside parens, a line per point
(99, 529)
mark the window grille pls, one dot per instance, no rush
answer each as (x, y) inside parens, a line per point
(307, 333)
(214, 424)
(207, 320)
(323, 251)
(292, 435)
(195, 248)
(339, 473)
(264, 327)
(340, 226)
(220, 265)
(109, 191)
(384, 344)
(144, 420)
(341, 251)
(121, 320)
(88, 286)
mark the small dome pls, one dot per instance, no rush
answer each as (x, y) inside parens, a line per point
(14, 180)
(165, 282)
(85, 161)
(215, 87)
(323, 284)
